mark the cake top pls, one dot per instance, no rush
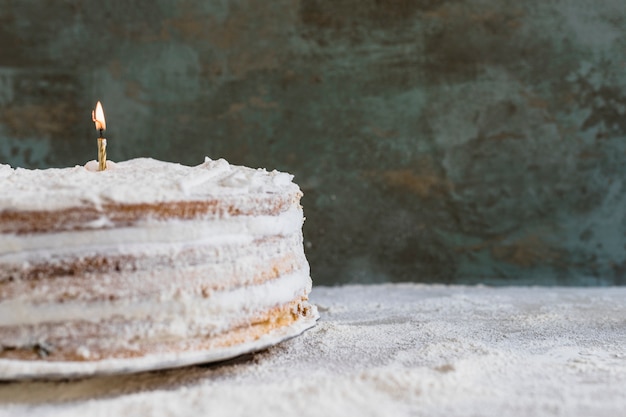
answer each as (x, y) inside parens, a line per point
(136, 181)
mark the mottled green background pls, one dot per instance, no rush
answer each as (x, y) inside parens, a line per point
(450, 141)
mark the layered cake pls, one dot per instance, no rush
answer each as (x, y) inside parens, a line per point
(147, 264)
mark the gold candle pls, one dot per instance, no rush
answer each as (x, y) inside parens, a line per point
(97, 116)
(102, 154)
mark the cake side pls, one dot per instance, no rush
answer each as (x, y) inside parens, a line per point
(213, 258)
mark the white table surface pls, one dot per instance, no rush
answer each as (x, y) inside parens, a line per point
(393, 350)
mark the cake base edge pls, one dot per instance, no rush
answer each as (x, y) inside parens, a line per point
(11, 369)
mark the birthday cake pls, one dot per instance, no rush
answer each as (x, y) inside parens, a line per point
(148, 259)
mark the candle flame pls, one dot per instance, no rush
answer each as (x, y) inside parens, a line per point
(97, 116)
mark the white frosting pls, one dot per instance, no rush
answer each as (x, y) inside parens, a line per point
(141, 180)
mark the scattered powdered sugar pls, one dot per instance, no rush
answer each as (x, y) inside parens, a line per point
(402, 349)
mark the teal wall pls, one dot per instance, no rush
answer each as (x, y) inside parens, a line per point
(449, 141)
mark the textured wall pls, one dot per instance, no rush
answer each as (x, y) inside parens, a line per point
(452, 141)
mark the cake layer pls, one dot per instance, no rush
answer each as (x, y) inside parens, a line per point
(240, 227)
(111, 215)
(93, 348)
(200, 280)
(137, 191)
(212, 310)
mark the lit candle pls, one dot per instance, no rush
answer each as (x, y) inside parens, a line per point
(97, 116)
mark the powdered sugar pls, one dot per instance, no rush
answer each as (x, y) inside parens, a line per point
(392, 350)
